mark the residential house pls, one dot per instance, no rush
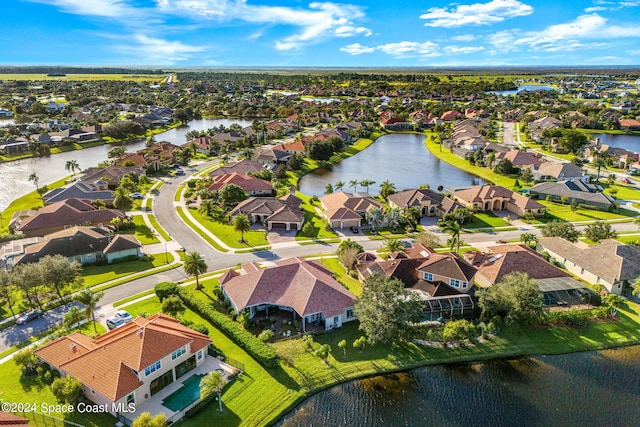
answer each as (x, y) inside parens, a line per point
(61, 215)
(538, 126)
(126, 367)
(111, 174)
(86, 245)
(202, 145)
(346, 209)
(427, 201)
(590, 195)
(557, 171)
(97, 190)
(496, 198)
(521, 159)
(251, 185)
(271, 157)
(242, 167)
(451, 115)
(629, 124)
(284, 212)
(610, 263)
(396, 123)
(304, 288)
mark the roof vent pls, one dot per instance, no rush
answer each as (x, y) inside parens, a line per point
(495, 258)
(72, 345)
(140, 331)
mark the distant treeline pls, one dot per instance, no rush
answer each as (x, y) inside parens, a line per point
(76, 70)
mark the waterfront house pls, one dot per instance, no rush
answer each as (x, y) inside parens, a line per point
(497, 198)
(251, 185)
(304, 288)
(346, 209)
(427, 201)
(96, 190)
(242, 167)
(557, 171)
(582, 193)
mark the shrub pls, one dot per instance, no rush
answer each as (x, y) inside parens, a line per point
(261, 352)
(265, 335)
(573, 318)
(200, 327)
(165, 289)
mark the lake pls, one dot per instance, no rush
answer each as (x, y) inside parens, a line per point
(521, 88)
(580, 389)
(400, 158)
(14, 175)
(627, 142)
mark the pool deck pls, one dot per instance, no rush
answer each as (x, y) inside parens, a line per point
(154, 405)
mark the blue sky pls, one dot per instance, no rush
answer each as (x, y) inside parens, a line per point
(357, 33)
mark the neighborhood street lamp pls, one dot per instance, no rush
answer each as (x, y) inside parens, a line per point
(166, 255)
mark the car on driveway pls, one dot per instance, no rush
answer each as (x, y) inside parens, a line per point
(136, 195)
(29, 316)
(179, 172)
(115, 322)
(124, 315)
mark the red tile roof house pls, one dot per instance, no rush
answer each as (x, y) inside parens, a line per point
(305, 288)
(138, 364)
(243, 166)
(251, 185)
(345, 209)
(60, 215)
(496, 198)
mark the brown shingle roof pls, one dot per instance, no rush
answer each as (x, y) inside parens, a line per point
(449, 265)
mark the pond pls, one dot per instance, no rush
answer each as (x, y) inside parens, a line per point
(14, 175)
(579, 389)
(627, 142)
(521, 88)
(401, 159)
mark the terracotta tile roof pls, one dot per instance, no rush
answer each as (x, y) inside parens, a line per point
(306, 286)
(291, 146)
(479, 193)
(506, 259)
(341, 213)
(246, 182)
(354, 202)
(109, 363)
(7, 419)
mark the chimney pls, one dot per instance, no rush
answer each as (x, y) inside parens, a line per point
(73, 347)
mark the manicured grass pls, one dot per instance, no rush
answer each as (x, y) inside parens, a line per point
(178, 193)
(564, 212)
(142, 232)
(228, 235)
(624, 191)
(628, 238)
(312, 216)
(485, 173)
(156, 225)
(194, 227)
(333, 264)
(485, 220)
(96, 274)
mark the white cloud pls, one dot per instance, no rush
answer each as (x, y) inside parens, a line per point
(350, 31)
(158, 51)
(595, 9)
(408, 49)
(462, 50)
(357, 49)
(103, 8)
(463, 38)
(476, 14)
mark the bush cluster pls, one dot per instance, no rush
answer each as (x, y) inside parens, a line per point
(261, 352)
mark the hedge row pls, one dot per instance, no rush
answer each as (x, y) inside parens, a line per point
(260, 351)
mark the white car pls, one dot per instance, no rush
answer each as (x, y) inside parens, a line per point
(114, 322)
(124, 315)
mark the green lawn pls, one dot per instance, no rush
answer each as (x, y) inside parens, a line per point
(156, 225)
(310, 215)
(485, 173)
(485, 220)
(142, 232)
(564, 212)
(228, 235)
(96, 274)
(623, 191)
(353, 285)
(192, 225)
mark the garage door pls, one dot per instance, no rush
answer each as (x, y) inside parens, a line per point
(294, 226)
(278, 225)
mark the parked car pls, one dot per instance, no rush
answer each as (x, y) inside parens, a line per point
(124, 315)
(29, 316)
(179, 172)
(115, 322)
(136, 195)
(625, 180)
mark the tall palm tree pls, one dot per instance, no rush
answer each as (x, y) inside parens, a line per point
(394, 217)
(121, 199)
(34, 178)
(354, 184)
(72, 166)
(338, 185)
(386, 189)
(374, 217)
(454, 228)
(73, 316)
(194, 265)
(599, 163)
(207, 207)
(242, 225)
(90, 300)
(366, 183)
(210, 383)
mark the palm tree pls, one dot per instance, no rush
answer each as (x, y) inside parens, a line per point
(72, 166)
(453, 227)
(354, 183)
(90, 300)
(328, 189)
(121, 199)
(207, 207)
(241, 224)
(394, 217)
(374, 217)
(366, 183)
(386, 189)
(73, 316)
(194, 265)
(338, 185)
(210, 383)
(116, 222)
(34, 178)
(599, 163)
(527, 238)
(394, 245)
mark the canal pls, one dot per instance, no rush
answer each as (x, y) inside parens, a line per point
(579, 389)
(399, 158)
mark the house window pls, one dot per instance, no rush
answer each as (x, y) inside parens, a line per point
(151, 368)
(349, 314)
(427, 276)
(454, 283)
(199, 354)
(179, 352)
(464, 285)
(131, 398)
